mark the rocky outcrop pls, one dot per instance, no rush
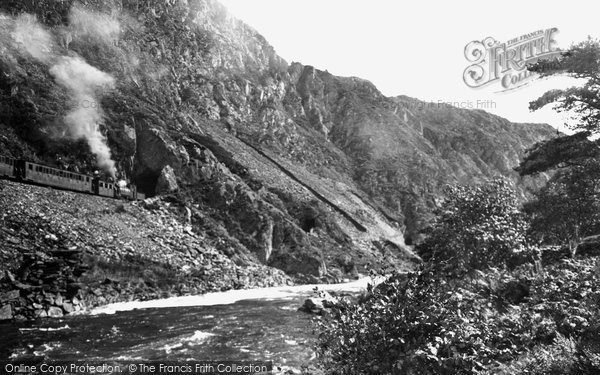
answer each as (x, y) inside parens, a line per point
(265, 230)
(157, 157)
(167, 181)
(265, 241)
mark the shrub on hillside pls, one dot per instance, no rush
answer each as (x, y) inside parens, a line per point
(424, 324)
(479, 226)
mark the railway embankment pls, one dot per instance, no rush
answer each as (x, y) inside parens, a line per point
(63, 253)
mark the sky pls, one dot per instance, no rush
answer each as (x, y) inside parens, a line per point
(417, 48)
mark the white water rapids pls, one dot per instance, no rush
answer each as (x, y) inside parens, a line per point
(233, 296)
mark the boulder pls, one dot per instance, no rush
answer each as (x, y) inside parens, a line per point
(6, 312)
(68, 307)
(312, 305)
(10, 296)
(319, 303)
(55, 312)
(167, 181)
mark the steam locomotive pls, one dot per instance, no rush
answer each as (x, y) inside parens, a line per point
(23, 170)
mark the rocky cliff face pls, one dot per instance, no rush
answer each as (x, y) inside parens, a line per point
(304, 171)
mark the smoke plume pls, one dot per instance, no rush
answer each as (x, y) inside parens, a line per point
(32, 39)
(84, 83)
(99, 26)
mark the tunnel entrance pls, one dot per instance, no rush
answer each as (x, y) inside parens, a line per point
(308, 223)
(309, 219)
(146, 182)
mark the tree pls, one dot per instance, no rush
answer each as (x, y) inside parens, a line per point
(568, 207)
(562, 152)
(480, 226)
(581, 61)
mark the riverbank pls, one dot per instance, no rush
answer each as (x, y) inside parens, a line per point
(65, 252)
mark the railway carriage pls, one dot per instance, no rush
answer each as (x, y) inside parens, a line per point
(57, 177)
(7, 166)
(106, 189)
(24, 170)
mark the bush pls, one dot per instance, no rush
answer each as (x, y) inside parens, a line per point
(419, 325)
(426, 324)
(478, 227)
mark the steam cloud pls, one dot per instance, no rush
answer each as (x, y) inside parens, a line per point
(99, 26)
(32, 39)
(84, 83)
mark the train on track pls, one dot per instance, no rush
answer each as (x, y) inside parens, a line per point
(23, 170)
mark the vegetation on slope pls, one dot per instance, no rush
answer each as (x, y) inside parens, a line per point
(506, 289)
(484, 303)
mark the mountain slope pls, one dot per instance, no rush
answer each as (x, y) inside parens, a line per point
(310, 173)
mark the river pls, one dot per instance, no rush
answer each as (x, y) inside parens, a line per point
(256, 324)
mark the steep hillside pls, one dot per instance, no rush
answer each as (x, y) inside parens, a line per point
(310, 173)
(63, 252)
